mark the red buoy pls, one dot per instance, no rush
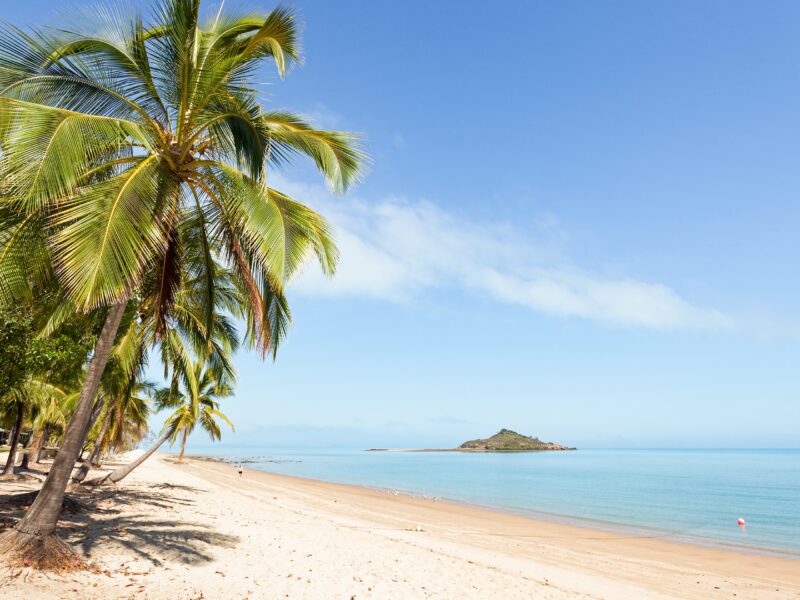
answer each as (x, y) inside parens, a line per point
(740, 522)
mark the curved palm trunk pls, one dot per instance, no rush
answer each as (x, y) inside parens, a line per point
(35, 445)
(119, 474)
(96, 408)
(183, 445)
(98, 461)
(98, 444)
(12, 451)
(38, 442)
(33, 541)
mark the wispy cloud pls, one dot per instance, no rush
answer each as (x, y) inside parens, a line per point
(322, 116)
(396, 250)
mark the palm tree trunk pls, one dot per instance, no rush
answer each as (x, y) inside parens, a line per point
(33, 542)
(118, 475)
(12, 451)
(96, 408)
(35, 444)
(98, 460)
(183, 445)
(38, 443)
(98, 444)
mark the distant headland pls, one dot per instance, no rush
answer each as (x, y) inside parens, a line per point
(504, 440)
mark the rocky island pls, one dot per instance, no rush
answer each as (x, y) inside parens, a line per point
(504, 440)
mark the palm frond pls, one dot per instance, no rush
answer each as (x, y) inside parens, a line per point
(24, 255)
(109, 233)
(117, 43)
(47, 151)
(336, 153)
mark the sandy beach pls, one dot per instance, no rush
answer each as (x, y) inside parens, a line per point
(198, 530)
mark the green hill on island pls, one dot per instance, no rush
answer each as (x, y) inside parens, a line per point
(506, 440)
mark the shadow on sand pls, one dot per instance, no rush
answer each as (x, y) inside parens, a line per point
(132, 519)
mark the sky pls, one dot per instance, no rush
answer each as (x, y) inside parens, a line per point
(580, 222)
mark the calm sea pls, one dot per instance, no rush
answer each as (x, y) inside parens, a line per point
(694, 495)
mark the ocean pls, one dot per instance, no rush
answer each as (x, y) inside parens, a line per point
(689, 495)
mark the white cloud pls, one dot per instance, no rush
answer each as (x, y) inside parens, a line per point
(397, 250)
(324, 117)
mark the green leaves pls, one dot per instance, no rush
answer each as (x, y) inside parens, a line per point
(15, 330)
(335, 153)
(194, 393)
(47, 151)
(133, 157)
(24, 255)
(276, 232)
(108, 234)
(276, 38)
(116, 44)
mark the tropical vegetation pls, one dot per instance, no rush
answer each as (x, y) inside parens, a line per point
(135, 208)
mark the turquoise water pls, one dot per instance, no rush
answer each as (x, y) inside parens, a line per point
(695, 495)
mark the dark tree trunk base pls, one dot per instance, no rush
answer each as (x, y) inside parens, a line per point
(24, 500)
(98, 481)
(45, 553)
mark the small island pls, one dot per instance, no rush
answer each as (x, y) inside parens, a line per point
(504, 440)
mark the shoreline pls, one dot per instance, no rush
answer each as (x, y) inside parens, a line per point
(587, 523)
(677, 554)
(191, 530)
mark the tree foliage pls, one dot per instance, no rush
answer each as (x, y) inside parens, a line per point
(15, 336)
(133, 155)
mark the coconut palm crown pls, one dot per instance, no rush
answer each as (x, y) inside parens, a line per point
(194, 395)
(123, 141)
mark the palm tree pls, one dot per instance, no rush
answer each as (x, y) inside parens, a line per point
(197, 405)
(117, 145)
(127, 420)
(122, 422)
(187, 337)
(193, 394)
(18, 402)
(46, 415)
(14, 406)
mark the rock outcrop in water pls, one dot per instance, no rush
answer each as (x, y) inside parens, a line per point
(506, 440)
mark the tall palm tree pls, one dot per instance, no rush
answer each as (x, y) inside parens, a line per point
(120, 142)
(193, 395)
(187, 338)
(127, 419)
(122, 421)
(197, 404)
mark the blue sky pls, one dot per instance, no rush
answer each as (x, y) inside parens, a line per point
(580, 222)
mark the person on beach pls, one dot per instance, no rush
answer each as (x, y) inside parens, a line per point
(241, 469)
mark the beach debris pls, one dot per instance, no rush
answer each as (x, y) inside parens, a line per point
(419, 528)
